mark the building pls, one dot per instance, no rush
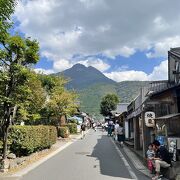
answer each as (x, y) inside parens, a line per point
(155, 112)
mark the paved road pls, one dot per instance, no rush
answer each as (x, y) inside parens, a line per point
(93, 158)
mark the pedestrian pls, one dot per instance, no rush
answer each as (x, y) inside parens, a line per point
(150, 156)
(83, 128)
(115, 130)
(103, 127)
(106, 126)
(162, 158)
(120, 134)
(109, 130)
(94, 127)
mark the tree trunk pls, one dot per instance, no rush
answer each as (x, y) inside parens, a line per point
(5, 141)
(6, 123)
(62, 120)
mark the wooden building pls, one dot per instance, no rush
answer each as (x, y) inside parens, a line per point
(156, 106)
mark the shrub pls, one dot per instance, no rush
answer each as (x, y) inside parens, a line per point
(63, 132)
(74, 121)
(72, 128)
(28, 139)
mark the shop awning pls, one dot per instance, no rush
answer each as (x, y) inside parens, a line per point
(168, 116)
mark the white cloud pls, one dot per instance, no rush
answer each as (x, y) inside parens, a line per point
(127, 76)
(123, 51)
(161, 47)
(88, 27)
(159, 73)
(44, 71)
(160, 24)
(66, 28)
(96, 63)
(62, 65)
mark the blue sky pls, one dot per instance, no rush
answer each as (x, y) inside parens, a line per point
(138, 62)
(125, 40)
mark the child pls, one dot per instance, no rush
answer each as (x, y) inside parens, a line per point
(150, 155)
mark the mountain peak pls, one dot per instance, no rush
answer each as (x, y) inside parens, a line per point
(82, 76)
(78, 65)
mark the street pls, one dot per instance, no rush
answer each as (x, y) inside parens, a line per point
(93, 158)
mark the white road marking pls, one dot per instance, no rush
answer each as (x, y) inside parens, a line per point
(133, 175)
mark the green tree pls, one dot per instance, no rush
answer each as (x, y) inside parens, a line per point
(7, 7)
(34, 100)
(16, 55)
(108, 104)
(62, 102)
(59, 100)
(49, 82)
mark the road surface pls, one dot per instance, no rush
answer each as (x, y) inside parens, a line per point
(94, 158)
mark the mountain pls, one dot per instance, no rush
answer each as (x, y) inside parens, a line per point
(128, 90)
(92, 85)
(90, 97)
(82, 76)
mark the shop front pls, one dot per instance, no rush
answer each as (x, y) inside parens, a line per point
(168, 134)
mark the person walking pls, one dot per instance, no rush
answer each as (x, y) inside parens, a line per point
(120, 134)
(83, 128)
(116, 126)
(94, 126)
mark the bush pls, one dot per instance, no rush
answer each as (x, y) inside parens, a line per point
(63, 132)
(72, 128)
(74, 121)
(28, 139)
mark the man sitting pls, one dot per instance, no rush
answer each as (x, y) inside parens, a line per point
(162, 160)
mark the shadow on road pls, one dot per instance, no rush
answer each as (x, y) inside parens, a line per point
(110, 162)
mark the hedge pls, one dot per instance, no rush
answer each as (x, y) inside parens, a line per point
(25, 140)
(63, 132)
(72, 128)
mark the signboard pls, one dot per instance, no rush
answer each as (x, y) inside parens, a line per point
(149, 119)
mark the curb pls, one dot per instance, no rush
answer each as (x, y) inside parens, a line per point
(136, 161)
(132, 174)
(36, 164)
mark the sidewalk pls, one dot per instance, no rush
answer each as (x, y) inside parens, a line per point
(56, 148)
(138, 164)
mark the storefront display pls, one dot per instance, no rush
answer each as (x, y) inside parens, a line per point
(172, 145)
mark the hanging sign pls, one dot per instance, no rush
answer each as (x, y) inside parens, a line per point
(149, 119)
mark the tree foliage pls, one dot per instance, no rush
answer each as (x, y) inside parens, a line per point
(34, 100)
(16, 55)
(108, 104)
(7, 7)
(25, 95)
(59, 101)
